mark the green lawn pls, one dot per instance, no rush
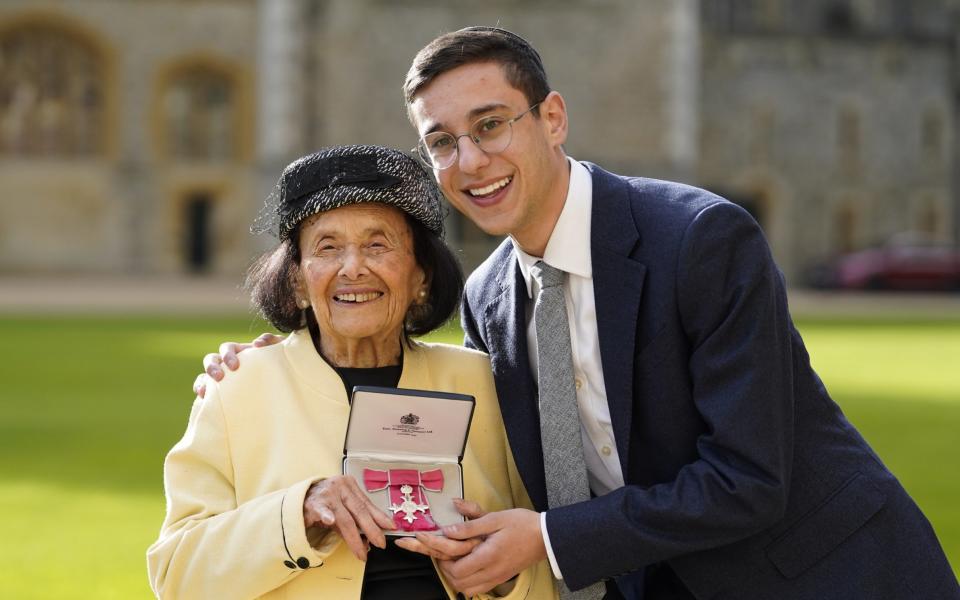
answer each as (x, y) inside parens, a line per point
(90, 406)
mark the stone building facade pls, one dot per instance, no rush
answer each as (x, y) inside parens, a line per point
(834, 122)
(126, 135)
(140, 136)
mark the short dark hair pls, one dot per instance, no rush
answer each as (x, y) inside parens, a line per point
(521, 63)
(271, 281)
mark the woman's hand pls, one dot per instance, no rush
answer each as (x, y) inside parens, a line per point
(337, 503)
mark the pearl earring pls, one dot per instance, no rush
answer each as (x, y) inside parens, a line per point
(422, 294)
(304, 303)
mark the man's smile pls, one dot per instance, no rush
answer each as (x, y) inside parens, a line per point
(489, 189)
(488, 194)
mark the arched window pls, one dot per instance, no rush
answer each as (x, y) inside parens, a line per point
(762, 133)
(849, 139)
(845, 222)
(928, 215)
(199, 115)
(932, 128)
(51, 93)
(838, 18)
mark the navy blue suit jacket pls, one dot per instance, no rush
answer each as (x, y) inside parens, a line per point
(741, 473)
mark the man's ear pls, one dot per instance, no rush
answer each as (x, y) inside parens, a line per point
(553, 112)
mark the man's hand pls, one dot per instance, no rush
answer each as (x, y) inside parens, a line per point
(442, 548)
(227, 357)
(338, 504)
(511, 542)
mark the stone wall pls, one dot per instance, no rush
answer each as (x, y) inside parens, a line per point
(119, 211)
(837, 130)
(836, 143)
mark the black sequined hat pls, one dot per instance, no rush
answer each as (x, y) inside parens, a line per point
(343, 175)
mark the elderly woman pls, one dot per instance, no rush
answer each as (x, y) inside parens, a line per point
(256, 505)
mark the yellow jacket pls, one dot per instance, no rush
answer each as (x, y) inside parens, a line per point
(235, 483)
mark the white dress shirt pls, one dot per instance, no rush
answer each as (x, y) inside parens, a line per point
(569, 250)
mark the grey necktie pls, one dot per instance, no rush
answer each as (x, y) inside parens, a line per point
(564, 467)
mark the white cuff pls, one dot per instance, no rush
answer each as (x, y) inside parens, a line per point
(546, 542)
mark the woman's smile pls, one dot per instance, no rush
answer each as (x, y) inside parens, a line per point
(357, 297)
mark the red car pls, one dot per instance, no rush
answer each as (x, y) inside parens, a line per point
(905, 263)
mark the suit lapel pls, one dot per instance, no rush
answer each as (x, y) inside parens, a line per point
(617, 289)
(505, 320)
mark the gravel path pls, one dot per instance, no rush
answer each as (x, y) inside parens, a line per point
(111, 295)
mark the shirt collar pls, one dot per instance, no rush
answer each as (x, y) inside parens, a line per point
(568, 248)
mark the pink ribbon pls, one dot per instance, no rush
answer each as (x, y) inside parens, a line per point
(411, 512)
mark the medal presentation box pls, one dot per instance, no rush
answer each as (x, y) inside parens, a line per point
(404, 447)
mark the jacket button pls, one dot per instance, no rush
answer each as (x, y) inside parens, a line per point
(302, 562)
(289, 564)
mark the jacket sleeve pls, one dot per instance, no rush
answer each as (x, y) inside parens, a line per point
(502, 488)
(209, 547)
(471, 332)
(733, 310)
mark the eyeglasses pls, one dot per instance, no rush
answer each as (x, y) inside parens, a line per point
(491, 134)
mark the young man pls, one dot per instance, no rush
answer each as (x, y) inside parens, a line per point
(717, 465)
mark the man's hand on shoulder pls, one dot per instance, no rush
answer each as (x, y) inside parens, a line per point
(214, 363)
